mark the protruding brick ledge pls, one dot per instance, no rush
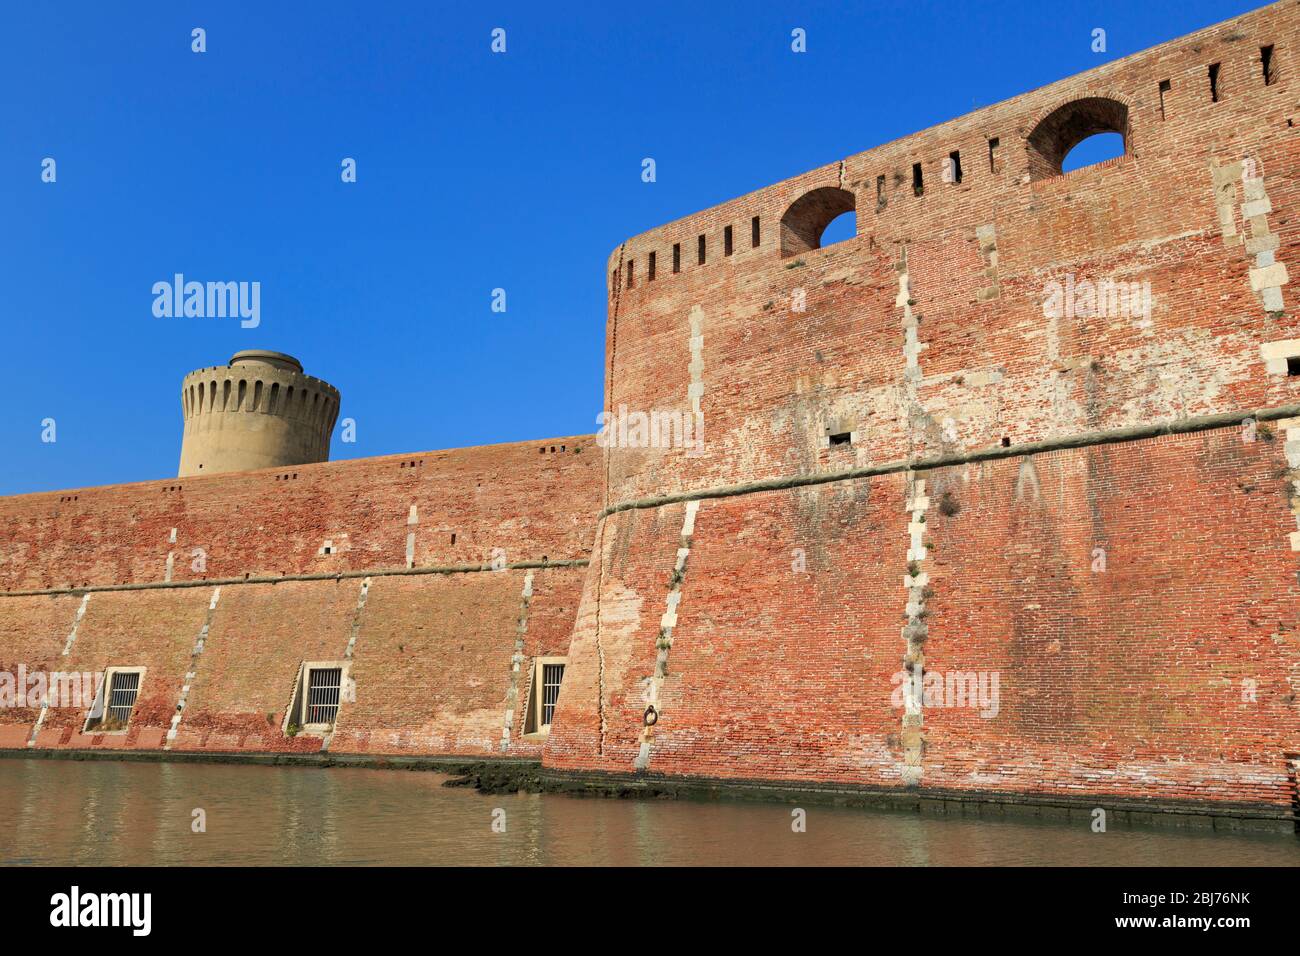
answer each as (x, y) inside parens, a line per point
(1181, 426)
(326, 576)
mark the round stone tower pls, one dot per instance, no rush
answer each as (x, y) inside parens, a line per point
(259, 411)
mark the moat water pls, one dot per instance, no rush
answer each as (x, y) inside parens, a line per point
(56, 812)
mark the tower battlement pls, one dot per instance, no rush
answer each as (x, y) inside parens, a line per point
(258, 411)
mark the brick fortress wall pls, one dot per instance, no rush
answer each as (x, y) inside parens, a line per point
(1134, 597)
(222, 586)
(910, 471)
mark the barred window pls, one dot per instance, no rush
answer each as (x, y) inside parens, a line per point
(323, 691)
(121, 696)
(544, 693)
(114, 700)
(552, 674)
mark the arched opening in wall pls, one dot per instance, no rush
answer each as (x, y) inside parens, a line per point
(1094, 149)
(844, 226)
(1068, 126)
(805, 225)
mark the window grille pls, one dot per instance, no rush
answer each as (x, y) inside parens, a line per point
(552, 674)
(121, 697)
(323, 685)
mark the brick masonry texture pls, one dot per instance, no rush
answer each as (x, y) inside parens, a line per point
(1170, 674)
(774, 377)
(433, 652)
(521, 498)
(1133, 599)
(1170, 671)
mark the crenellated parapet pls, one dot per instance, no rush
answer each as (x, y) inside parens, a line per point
(988, 297)
(258, 411)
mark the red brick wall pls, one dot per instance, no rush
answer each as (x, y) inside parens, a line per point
(773, 378)
(1127, 681)
(156, 630)
(432, 661)
(33, 632)
(1173, 671)
(1124, 682)
(1171, 674)
(612, 652)
(434, 652)
(529, 503)
(260, 636)
(432, 665)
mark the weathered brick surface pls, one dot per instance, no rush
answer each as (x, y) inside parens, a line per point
(432, 665)
(33, 632)
(598, 717)
(260, 635)
(773, 672)
(1171, 673)
(551, 611)
(532, 504)
(774, 378)
(514, 503)
(151, 629)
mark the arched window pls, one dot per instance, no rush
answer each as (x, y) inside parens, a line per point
(1067, 126)
(1093, 149)
(804, 224)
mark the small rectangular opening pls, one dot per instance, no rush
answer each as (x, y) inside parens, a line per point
(993, 154)
(1214, 82)
(1164, 88)
(613, 281)
(841, 438)
(552, 676)
(121, 698)
(630, 263)
(726, 241)
(1266, 63)
(753, 233)
(544, 693)
(111, 709)
(700, 251)
(323, 690)
(954, 167)
(1293, 365)
(880, 192)
(918, 184)
(650, 268)
(677, 257)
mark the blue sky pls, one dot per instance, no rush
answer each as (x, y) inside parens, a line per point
(475, 171)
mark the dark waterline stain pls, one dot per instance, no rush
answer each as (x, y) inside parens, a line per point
(129, 814)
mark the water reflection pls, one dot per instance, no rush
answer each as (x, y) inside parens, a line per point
(110, 813)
